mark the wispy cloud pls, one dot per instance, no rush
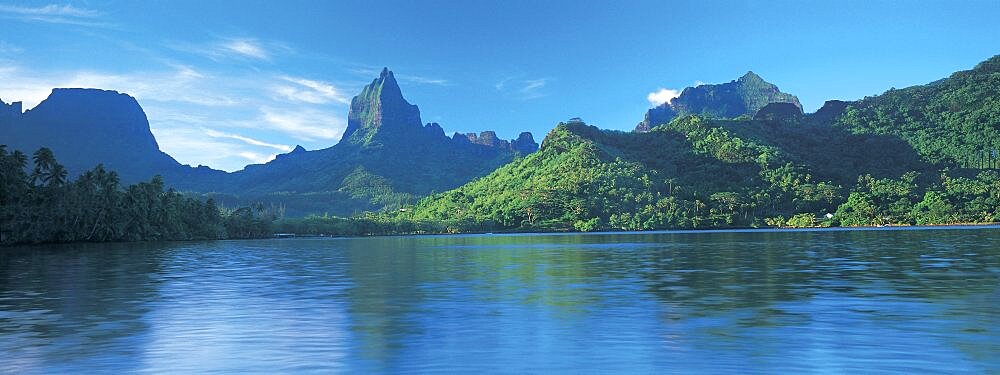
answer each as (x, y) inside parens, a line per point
(257, 158)
(180, 84)
(247, 48)
(307, 125)
(65, 10)
(203, 116)
(9, 49)
(523, 89)
(661, 96)
(222, 49)
(191, 146)
(532, 87)
(247, 140)
(53, 13)
(423, 80)
(367, 72)
(310, 91)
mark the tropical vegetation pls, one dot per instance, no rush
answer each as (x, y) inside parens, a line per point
(41, 204)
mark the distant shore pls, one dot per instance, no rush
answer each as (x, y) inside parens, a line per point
(896, 227)
(280, 236)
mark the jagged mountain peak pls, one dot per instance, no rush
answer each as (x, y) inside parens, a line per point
(380, 106)
(744, 96)
(750, 76)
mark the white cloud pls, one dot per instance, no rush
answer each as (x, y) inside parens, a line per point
(258, 158)
(661, 96)
(423, 80)
(190, 146)
(532, 88)
(221, 49)
(50, 10)
(310, 91)
(206, 117)
(181, 84)
(307, 125)
(523, 89)
(502, 84)
(53, 13)
(247, 140)
(247, 48)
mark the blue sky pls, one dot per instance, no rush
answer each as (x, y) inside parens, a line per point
(230, 83)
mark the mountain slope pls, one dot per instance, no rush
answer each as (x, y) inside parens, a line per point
(385, 158)
(954, 121)
(744, 96)
(880, 160)
(86, 127)
(687, 174)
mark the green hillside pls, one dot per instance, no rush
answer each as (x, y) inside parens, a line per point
(954, 121)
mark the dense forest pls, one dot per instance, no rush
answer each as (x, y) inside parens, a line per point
(42, 205)
(920, 155)
(694, 173)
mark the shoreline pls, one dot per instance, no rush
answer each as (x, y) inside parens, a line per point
(289, 236)
(896, 227)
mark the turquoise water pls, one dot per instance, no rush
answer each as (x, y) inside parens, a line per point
(692, 302)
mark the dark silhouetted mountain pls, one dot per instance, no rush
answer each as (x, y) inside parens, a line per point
(744, 96)
(86, 127)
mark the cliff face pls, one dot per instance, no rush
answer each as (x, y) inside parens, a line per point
(523, 144)
(380, 109)
(744, 96)
(86, 127)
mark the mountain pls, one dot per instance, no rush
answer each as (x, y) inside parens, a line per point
(86, 127)
(919, 155)
(385, 158)
(744, 96)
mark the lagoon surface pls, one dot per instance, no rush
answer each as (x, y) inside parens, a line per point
(725, 301)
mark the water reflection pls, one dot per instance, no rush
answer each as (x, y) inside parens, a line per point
(715, 302)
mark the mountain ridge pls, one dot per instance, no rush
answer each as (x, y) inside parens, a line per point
(385, 141)
(742, 96)
(926, 154)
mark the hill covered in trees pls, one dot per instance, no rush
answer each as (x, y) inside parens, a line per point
(953, 121)
(892, 159)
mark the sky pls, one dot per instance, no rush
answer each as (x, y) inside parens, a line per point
(229, 83)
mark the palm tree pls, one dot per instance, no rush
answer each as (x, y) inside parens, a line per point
(44, 159)
(57, 176)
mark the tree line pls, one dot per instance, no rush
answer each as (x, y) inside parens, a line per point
(43, 205)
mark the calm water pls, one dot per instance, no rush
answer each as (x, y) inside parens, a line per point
(774, 302)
